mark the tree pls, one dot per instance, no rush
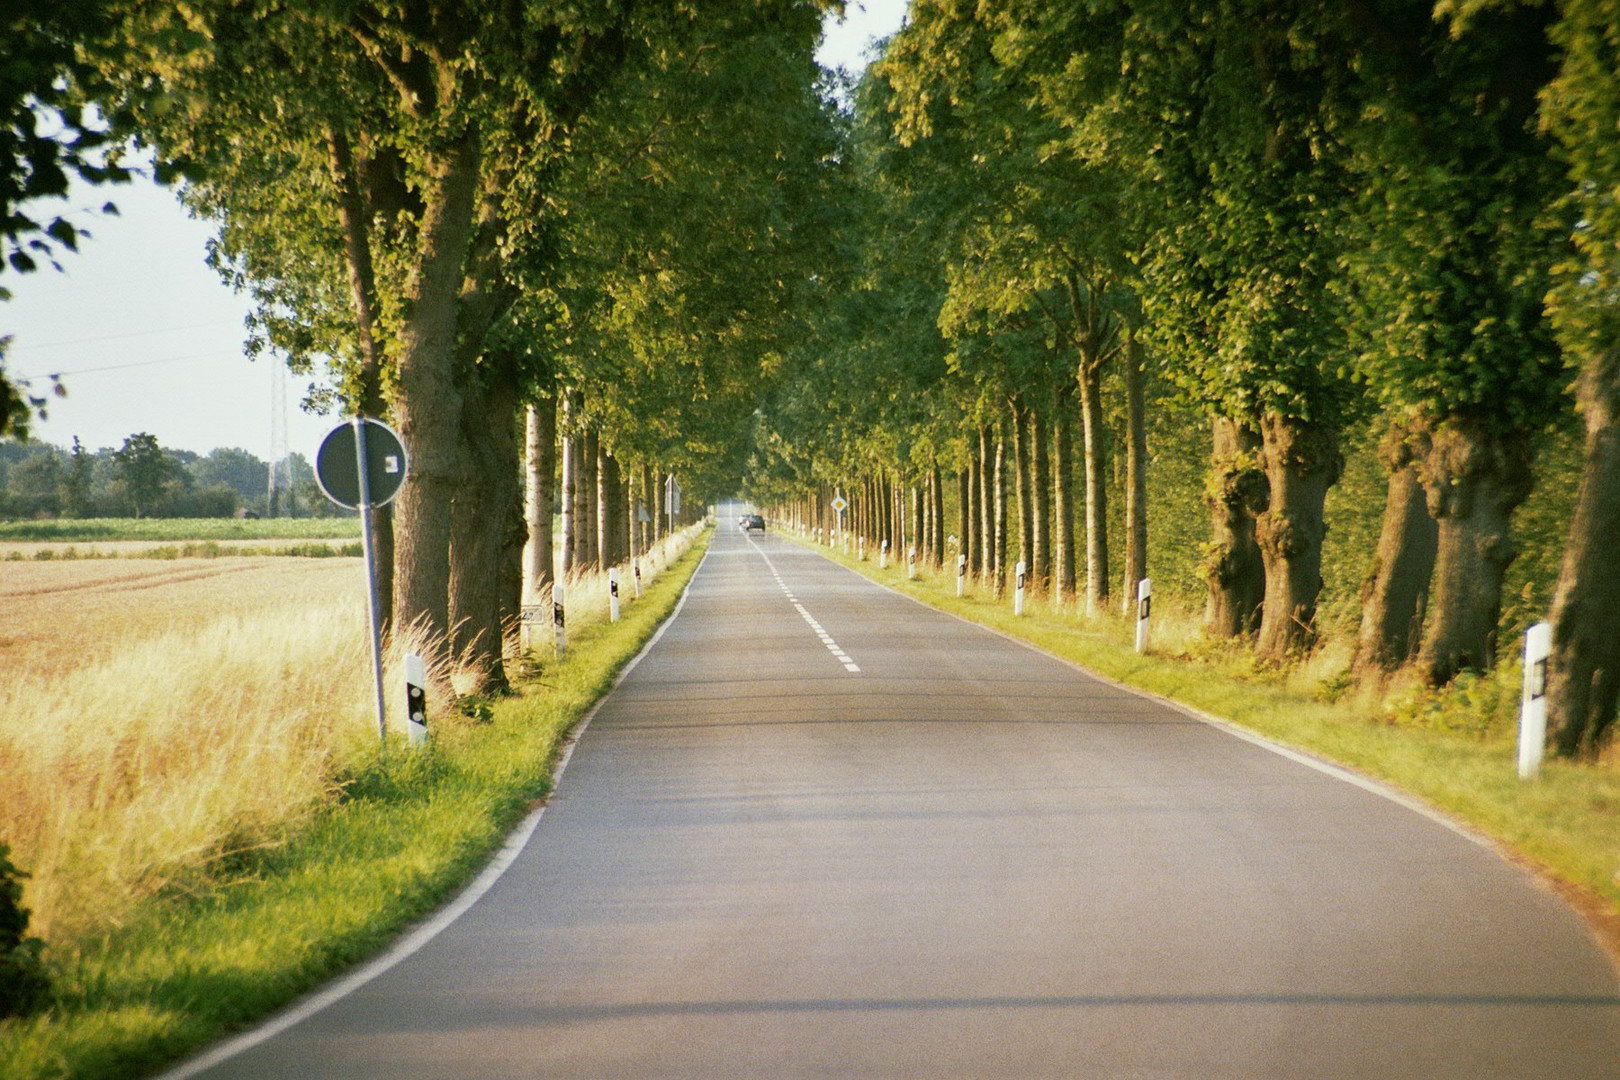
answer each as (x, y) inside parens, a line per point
(77, 485)
(1581, 109)
(1445, 284)
(47, 137)
(143, 470)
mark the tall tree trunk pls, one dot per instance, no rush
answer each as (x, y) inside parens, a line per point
(482, 514)
(1094, 435)
(1023, 490)
(1583, 673)
(1396, 591)
(540, 463)
(605, 502)
(1136, 461)
(1301, 461)
(973, 540)
(1238, 493)
(936, 503)
(964, 502)
(352, 221)
(1040, 503)
(998, 484)
(989, 472)
(427, 401)
(590, 555)
(660, 511)
(1063, 496)
(569, 545)
(1474, 479)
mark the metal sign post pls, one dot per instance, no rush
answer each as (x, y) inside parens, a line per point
(362, 465)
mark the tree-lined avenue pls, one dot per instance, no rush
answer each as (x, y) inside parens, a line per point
(965, 859)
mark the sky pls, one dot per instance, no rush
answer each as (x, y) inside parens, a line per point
(147, 338)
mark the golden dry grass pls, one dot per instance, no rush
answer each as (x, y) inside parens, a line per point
(157, 719)
(136, 773)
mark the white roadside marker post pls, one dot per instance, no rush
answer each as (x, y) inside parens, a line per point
(1144, 607)
(613, 594)
(635, 572)
(961, 574)
(1018, 588)
(416, 699)
(911, 563)
(860, 549)
(883, 557)
(558, 621)
(1533, 709)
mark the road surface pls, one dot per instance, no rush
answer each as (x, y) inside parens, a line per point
(822, 831)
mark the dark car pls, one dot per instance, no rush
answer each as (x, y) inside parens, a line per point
(750, 522)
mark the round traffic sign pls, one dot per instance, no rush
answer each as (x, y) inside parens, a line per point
(337, 463)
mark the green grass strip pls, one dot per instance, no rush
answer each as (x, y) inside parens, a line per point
(85, 530)
(1565, 825)
(411, 828)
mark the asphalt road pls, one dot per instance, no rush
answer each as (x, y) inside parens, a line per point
(822, 831)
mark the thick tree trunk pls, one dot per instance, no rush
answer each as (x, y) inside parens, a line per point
(973, 512)
(1022, 488)
(964, 502)
(352, 221)
(606, 502)
(998, 483)
(1094, 435)
(539, 468)
(1063, 497)
(936, 512)
(1301, 461)
(570, 485)
(590, 552)
(1583, 675)
(427, 401)
(1136, 460)
(1397, 590)
(1040, 504)
(1234, 571)
(482, 514)
(1474, 479)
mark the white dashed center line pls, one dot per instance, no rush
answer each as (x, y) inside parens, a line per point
(826, 639)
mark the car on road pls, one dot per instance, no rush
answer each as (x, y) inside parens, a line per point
(751, 522)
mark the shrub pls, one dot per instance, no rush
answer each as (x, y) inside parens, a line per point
(23, 984)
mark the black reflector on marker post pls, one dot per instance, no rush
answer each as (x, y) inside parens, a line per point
(416, 699)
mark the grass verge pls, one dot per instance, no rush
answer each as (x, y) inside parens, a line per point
(1455, 751)
(405, 830)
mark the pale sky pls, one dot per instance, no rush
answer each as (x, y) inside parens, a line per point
(147, 338)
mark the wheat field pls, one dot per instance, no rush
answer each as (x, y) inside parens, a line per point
(58, 616)
(159, 719)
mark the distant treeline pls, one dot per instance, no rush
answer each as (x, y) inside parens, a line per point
(143, 479)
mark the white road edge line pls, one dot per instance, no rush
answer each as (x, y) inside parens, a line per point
(412, 942)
